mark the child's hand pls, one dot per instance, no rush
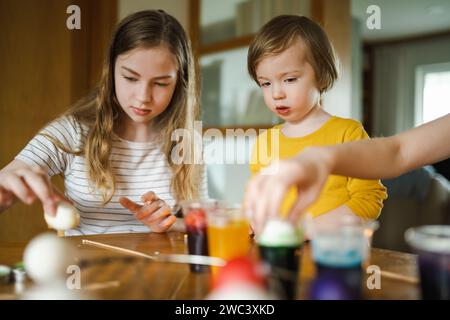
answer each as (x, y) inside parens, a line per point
(155, 213)
(28, 184)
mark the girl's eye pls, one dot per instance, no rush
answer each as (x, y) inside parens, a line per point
(161, 84)
(130, 79)
(289, 80)
(264, 84)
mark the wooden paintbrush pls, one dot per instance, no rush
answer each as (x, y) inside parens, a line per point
(176, 258)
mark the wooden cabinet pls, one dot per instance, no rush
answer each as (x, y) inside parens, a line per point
(45, 68)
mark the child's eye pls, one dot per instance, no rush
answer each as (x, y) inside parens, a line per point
(264, 84)
(161, 84)
(290, 80)
(130, 79)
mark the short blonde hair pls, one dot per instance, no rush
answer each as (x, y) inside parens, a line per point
(281, 32)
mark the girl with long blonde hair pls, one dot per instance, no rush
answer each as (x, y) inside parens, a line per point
(114, 147)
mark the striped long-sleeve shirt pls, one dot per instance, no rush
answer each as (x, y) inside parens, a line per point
(137, 168)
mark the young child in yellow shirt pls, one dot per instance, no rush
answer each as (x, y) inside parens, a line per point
(292, 60)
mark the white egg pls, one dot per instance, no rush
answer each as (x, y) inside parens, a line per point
(47, 257)
(240, 291)
(52, 291)
(67, 217)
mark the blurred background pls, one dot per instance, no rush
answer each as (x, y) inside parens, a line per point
(395, 74)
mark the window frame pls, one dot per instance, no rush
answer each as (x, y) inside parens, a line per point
(421, 72)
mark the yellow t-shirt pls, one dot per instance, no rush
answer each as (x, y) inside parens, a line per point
(363, 197)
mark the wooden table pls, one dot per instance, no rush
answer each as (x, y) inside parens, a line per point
(117, 277)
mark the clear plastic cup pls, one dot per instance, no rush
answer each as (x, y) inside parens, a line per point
(228, 233)
(194, 213)
(432, 245)
(339, 251)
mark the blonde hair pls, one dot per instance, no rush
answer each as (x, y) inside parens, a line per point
(98, 111)
(281, 32)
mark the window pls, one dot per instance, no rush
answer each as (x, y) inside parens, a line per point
(432, 92)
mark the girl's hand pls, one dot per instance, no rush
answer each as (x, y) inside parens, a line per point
(27, 183)
(154, 213)
(6, 199)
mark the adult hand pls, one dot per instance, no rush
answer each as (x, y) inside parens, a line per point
(265, 192)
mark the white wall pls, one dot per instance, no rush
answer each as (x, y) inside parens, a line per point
(337, 25)
(228, 180)
(177, 8)
(357, 71)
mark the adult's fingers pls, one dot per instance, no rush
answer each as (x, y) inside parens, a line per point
(309, 190)
(270, 199)
(261, 205)
(304, 200)
(251, 197)
(274, 196)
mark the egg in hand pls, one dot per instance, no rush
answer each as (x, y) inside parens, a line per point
(66, 217)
